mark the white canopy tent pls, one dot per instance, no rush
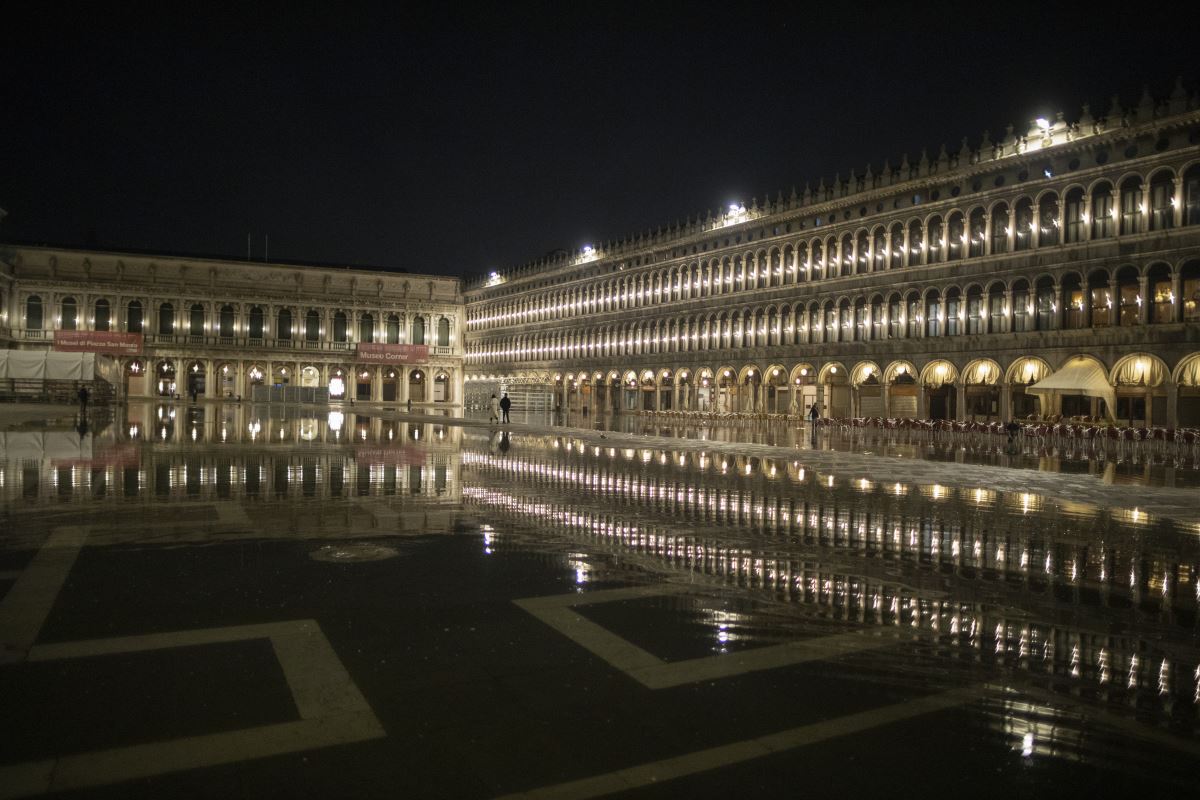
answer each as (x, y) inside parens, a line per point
(47, 365)
(1078, 376)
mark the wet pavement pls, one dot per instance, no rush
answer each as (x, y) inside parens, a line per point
(244, 601)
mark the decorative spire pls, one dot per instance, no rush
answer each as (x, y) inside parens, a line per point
(1086, 123)
(1178, 101)
(1116, 115)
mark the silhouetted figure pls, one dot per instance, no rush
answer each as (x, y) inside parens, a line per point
(505, 405)
(194, 394)
(410, 405)
(504, 442)
(1011, 429)
(83, 400)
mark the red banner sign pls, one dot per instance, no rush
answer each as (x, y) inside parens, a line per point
(112, 343)
(374, 353)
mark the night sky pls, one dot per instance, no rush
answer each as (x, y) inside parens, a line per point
(461, 143)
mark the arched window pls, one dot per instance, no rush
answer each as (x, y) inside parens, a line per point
(133, 316)
(225, 325)
(975, 312)
(1189, 281)
(443, 333)
(366, 328)
(33, 313)
(1023, 221)
(1131, 206)
(977, 241)
(70, 314)
(1073, 216)
(1100, 297)
(995, 309)
(933, 315)
(916, 243)
(196, 320)
(1022, 307)
(1162, 308)
(1129, 300)
(955, 235)
(914, 315)
(283, 324)
(312, 325)
(1048, 222)
(258, 323)
(393, 329)
(937, 243)
(1191, 196)
(166, 319)
(1162, 201)
(1075, 309)
(1000, 229)
(339, 326)
(102, 315)
(1103, 213)
(896, 251)
(418, 330)
(1044, 304)
(954, 320)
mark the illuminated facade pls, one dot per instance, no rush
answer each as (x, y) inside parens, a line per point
(224, 327)
(944, 288)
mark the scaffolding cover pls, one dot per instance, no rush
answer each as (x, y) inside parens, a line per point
(45, 365)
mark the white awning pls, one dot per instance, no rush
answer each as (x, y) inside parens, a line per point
(1079, 376)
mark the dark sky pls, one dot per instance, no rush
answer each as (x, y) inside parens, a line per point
(458, 143)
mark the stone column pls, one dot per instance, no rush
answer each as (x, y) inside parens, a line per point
(1116, 207)
(960, 401)
(820, 401)
(987, 234)
(904, 254)
(212, 380)
(1144, 208)
(1035, 227)
(1177, 293)
(1172, 420)
(1144, 294)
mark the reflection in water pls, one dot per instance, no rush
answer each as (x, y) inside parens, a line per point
(1118, 462)
(1047, 595)
(1068, 610)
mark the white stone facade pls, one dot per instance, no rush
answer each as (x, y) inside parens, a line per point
(221, 326)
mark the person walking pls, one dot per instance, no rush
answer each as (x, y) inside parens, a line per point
(505, 405)
(494, 407)
(83, 400)
(813, 414)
